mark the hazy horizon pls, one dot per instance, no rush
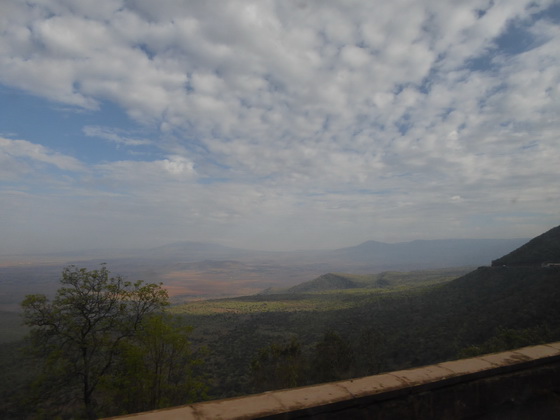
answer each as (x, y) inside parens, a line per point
(121, 251)
(274, 125)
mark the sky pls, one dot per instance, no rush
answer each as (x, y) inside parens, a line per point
(276, 125)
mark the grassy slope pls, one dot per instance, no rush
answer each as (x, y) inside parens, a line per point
(320, 298)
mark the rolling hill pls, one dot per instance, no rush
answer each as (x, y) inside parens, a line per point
(327, 281)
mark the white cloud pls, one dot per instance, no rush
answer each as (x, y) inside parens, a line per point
(15, 152)
(114, 136)
(329, 115)
(145, 176)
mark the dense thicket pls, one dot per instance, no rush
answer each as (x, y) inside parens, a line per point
(490, 309)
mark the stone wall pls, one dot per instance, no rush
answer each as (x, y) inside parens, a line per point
(518, 384)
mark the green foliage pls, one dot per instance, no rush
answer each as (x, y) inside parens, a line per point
(286, 364)
(158, 368)
(278, 366)
(332, 359)
(79, 335)
(369, 352)
(18, 372)
(509, 339)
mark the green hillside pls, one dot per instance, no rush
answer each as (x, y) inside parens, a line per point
(358, 283)
(542, 249)
(491, 308)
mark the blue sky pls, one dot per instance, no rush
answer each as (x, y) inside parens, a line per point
(276, 124)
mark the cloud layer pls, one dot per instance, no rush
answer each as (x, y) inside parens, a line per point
(289, 124)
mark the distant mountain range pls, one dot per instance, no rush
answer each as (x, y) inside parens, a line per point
(417, 254)
(371, 255)
(428, 253)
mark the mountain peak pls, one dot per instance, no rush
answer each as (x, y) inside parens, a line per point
(543, 248)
